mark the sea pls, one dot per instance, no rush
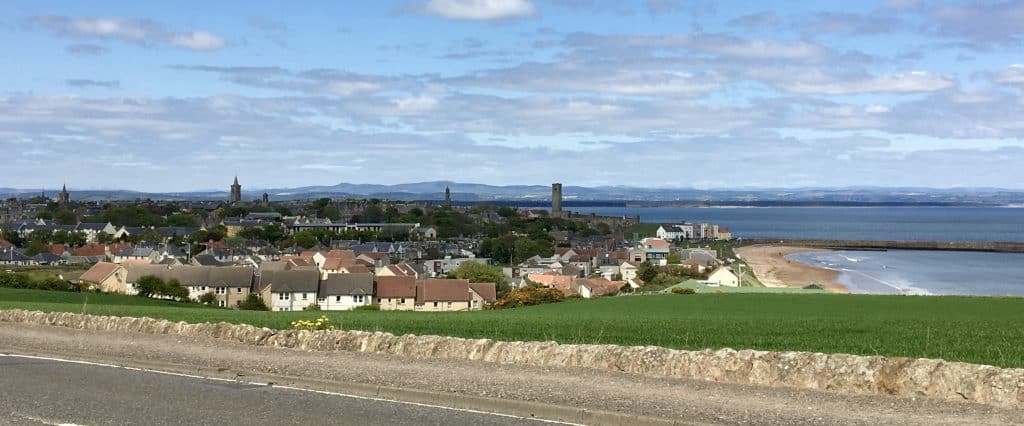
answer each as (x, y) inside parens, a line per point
(843, 223)
(884, 272)
(923, 272)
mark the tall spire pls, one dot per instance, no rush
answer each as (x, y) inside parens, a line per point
(236, 179)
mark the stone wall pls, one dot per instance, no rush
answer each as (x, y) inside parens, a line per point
(851, 374)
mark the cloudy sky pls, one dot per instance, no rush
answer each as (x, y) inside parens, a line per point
(168, 96)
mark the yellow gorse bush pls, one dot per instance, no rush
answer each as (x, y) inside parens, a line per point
(321, 323)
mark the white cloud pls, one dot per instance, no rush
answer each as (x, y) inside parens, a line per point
(916, 81)
(1013, 74)
(140, 31)
(876, 109)
(480, 10)
(197, 40)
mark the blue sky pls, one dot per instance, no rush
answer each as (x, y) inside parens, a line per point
(661, 93)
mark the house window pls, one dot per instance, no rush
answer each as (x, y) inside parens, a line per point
(238, 289)
(321, 300)
(337, 298)
(222, 290)
(435, 304)
(449, 304)
(304, 296)
(203, 288)
(221, 303)
(358, 299)
(378, 300)
(283, 296)
(401, 301)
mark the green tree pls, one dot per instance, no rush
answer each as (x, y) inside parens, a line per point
(208, 298)
(673, 259)
(304, 239)
(181, 219)
(253, 302)
(149, 286)
(647, 272)
(65, 217)
(477, 272)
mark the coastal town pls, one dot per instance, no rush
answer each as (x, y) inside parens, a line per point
(344, 254)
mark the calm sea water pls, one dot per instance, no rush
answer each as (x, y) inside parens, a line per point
(923, 272)
(844, 223)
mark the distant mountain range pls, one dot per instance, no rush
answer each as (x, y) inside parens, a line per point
(531, 194)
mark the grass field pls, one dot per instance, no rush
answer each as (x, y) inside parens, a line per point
(703, 288)
(973, 329)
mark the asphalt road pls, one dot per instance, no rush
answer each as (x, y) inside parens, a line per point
(49, 392)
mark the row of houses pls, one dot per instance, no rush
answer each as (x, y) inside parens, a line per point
(692, 231)
(299, 288)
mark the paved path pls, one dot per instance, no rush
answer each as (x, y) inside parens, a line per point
(569, 394)
(45, 391)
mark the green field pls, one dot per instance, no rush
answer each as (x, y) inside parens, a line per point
(982, 330)
(703, 288)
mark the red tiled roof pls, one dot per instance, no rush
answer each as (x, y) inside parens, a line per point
(90, 250)
(442, 290)
(336, 263)
(99, 272)
(57, 249)
(4, 243)
(340, 254)
(488, 291)
(395, 286)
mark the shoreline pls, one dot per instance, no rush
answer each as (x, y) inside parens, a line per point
(769, 264)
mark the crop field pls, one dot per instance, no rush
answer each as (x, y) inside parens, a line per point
(985, 330)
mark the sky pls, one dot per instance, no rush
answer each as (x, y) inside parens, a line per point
(176, 96)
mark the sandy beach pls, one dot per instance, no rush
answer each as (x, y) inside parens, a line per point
(771, 267)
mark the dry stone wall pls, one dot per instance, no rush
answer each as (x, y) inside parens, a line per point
(852, 374)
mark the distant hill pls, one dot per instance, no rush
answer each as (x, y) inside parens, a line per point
(473, 192)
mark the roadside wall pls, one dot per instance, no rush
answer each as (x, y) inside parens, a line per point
(851, 374)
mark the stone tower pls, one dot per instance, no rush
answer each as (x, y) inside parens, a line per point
(556, 200)
(447, 197)
(266, 199)
(64, 196)
(236, 192)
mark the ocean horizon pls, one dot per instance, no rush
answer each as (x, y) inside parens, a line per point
(911, 223)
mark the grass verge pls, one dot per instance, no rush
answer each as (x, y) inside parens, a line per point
(984, 330)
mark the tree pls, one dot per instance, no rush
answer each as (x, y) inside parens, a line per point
(253, 302)
(477, 272)
(673, 259)
(304, 239)
(208, 298)
(175, 290)
(647, 272)
(149, 286)
(181, 219)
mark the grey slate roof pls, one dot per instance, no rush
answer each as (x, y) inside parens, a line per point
(347, 284)
(290, 281)
(188, 275)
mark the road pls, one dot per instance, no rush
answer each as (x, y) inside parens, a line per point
(51, 392)
(569, 394)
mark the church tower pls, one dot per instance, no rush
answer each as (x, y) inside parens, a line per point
(64, 196)
(236, 192)
(447, 197)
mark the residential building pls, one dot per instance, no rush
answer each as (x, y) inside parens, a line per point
(723, 276)
(106, 277)
(396, 293)
(290, 290)
(343, 292)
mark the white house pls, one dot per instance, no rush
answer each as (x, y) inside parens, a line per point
(291, 290)
(723, 276)
(343, 292)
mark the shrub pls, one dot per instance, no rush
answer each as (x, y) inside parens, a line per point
(683, 290)
(373, 307)
(208, 298)
(529, 295)
(312, 307)
(253, 302)
(321, 323)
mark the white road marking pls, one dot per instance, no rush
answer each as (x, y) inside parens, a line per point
(345, 395)
(42, 420)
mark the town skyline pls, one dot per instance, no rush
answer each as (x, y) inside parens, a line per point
(654, 93)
